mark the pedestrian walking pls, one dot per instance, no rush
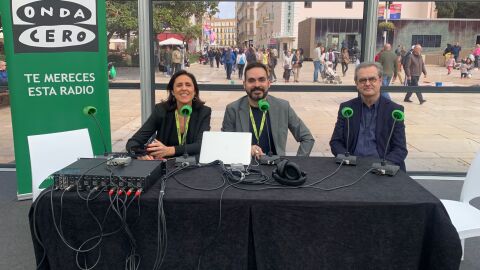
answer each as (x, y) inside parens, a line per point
(345, 60)
(413, 70)
(176, 60)
(317, 53)
(297, 62)
(272, 63)
(450, 64)
(241, 60)
(287, 66)
(388, 60)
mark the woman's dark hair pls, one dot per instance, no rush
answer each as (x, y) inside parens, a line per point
(171, 101)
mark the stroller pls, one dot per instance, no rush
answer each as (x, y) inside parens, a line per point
(330, 76)
(203, 59)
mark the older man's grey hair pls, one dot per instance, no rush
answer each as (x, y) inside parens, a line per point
(367, 65)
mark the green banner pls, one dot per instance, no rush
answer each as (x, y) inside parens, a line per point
(57, 64)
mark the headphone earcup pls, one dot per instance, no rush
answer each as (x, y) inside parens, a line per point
(289, 174)
(291, 171)
(280, 167)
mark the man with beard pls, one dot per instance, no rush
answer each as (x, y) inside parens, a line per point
(243, 115)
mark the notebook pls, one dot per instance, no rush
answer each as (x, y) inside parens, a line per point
(229, 147)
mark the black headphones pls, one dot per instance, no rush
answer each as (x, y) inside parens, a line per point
(288, 173)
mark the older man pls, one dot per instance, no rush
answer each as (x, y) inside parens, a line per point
(414, 67)
(244, 115)
(371, 122)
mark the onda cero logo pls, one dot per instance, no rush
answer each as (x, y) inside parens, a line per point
(54, 25)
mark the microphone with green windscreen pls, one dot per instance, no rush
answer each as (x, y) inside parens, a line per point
(185, 160)
(91, 111)
(269, 159)
(382, 168)
(346, 158)
(186, 110)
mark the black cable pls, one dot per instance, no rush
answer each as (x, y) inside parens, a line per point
(120, 210)
(35, 232)
(247, 177)
(118, 205)
(83, 175)
(198, 188)
(84, 243)
(328, 176)
(226, 175)
(306, 187)
(61, 235)
(161, 220)
(99, 235)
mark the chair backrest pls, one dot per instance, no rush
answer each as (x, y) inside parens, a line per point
(471, 186)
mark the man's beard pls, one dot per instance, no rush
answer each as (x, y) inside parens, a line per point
(256, 97)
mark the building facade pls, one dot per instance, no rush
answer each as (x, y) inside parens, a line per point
(245, 17)
(220, 32)
(276, 24)
(434, 35)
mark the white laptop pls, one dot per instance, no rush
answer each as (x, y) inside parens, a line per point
(229, 147)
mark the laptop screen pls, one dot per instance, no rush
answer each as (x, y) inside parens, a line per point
(229, 147)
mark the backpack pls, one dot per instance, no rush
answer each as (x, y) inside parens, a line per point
(405, 58)
(242, 60)
(251, 57)
(228, 56)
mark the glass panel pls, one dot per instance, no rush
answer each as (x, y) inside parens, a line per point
(437, 28)
(122, 29)
(6, 134)
(261, 29)
(442, 136)
(122, 37)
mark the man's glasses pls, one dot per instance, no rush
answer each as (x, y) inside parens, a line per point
(370, 79)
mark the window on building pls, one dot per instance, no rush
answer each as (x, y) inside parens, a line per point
(307, 4)
(348, 4)
(428, 41)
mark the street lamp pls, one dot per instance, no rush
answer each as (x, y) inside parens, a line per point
(386, 14)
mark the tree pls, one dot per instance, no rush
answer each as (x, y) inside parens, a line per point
(468, 10)
(167, 15)
(122, 18)
(446, 9)
(463, 10)
(191, 32)
(175, 16)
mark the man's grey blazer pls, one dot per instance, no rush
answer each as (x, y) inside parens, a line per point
(282, 119)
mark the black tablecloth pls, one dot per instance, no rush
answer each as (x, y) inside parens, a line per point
(380, 222)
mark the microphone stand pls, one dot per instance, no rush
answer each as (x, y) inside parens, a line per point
(269, 159)
(382, 168)
(91, 111)
(346, 158)
(185, 160)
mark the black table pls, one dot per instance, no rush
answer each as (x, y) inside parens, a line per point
(380, 222)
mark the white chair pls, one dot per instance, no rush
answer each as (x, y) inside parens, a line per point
(465, 217)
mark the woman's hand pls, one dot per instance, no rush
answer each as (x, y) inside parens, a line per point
(146, 157)
(158, 150)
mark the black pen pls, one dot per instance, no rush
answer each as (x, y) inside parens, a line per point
(151, 139)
